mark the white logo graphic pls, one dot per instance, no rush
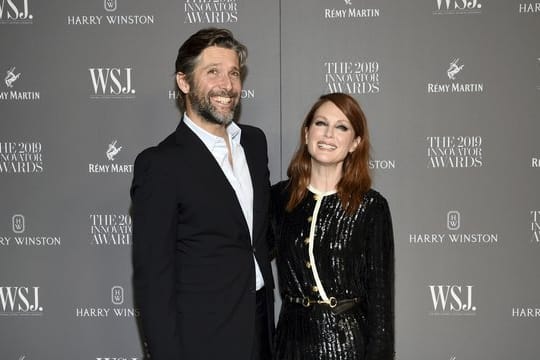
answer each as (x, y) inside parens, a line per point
(17, 222)
(117, 295)
(535, 226)
(452, 300)
(111, 167)
(210, 12)
(117, 298)
(109, 5)
(455, 151)
(110, 229)
(20, 301)
(454, 86)
(454, 69)
(112, 83)
(350, 12)
(18, 226)
(20, 157)
(11, 77)
(526, 312)
(457, 7)
(112, 151)
(382, 164)
(529, 8)
(453, 220)
(13, 12)
(352, 77)
(454, 238)
(12, 94)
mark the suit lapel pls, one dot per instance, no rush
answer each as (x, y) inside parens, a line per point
(198, 152)
(256, 181)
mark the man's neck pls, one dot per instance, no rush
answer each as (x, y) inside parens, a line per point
(213, 128)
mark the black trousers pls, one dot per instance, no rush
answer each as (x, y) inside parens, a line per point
(261, 345)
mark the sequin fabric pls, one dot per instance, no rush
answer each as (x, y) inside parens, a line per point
(354, 257)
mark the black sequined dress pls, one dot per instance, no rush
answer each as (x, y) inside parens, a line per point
(354, 258)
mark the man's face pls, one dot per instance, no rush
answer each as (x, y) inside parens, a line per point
(214, 90)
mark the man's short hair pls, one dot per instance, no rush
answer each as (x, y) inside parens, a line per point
(191, 49)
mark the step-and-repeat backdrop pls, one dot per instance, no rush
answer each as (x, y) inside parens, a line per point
(451, 89)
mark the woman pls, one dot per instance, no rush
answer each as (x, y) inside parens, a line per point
(334, 243)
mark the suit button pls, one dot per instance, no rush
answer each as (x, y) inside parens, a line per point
(308, 264)
(315, 289)
(309, 219)
(306, 240)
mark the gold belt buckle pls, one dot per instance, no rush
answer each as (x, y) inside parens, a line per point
(333, 302)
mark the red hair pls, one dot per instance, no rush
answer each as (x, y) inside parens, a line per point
(355, 180)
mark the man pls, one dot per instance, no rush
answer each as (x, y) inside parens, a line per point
(202, 275)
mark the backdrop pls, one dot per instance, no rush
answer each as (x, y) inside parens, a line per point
(451, 92)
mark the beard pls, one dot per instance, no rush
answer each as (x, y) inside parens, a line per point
(203, 106)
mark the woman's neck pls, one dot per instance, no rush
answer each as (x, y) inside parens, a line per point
(325, 178)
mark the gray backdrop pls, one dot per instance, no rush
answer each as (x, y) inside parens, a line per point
(451, 91)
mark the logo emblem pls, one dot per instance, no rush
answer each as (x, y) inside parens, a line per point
(110, 5)
(17, 222)
(20, 301)
(452, 300)
(453, 220)
(11, 77)
(454, 69)
(348, 2)
(117, 295)
(112, 151)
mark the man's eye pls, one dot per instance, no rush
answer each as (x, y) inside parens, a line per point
(235, 74)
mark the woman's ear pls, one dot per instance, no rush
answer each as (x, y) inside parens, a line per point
(356, 142)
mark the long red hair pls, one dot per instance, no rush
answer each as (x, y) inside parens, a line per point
(356, 179)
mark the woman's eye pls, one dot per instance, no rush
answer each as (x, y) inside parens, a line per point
(320, 123)
(342, 127)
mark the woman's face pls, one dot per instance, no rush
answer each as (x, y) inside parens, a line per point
(330, 137)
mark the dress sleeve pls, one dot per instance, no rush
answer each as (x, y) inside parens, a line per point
(154, 238)
(380, 291)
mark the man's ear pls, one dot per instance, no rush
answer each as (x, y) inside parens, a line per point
(182, 82)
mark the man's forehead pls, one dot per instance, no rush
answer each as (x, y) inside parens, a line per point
(215, 55)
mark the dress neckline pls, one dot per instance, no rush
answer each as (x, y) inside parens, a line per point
(319, 192)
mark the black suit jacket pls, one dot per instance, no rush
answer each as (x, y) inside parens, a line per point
(194, 273)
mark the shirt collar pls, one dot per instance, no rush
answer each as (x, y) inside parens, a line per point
(209, 139)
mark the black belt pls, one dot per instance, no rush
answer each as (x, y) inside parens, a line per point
(332, 301)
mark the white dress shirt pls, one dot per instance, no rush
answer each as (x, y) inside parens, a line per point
(237, 174)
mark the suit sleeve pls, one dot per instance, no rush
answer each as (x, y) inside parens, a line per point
(154, 238)
(380, 262)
